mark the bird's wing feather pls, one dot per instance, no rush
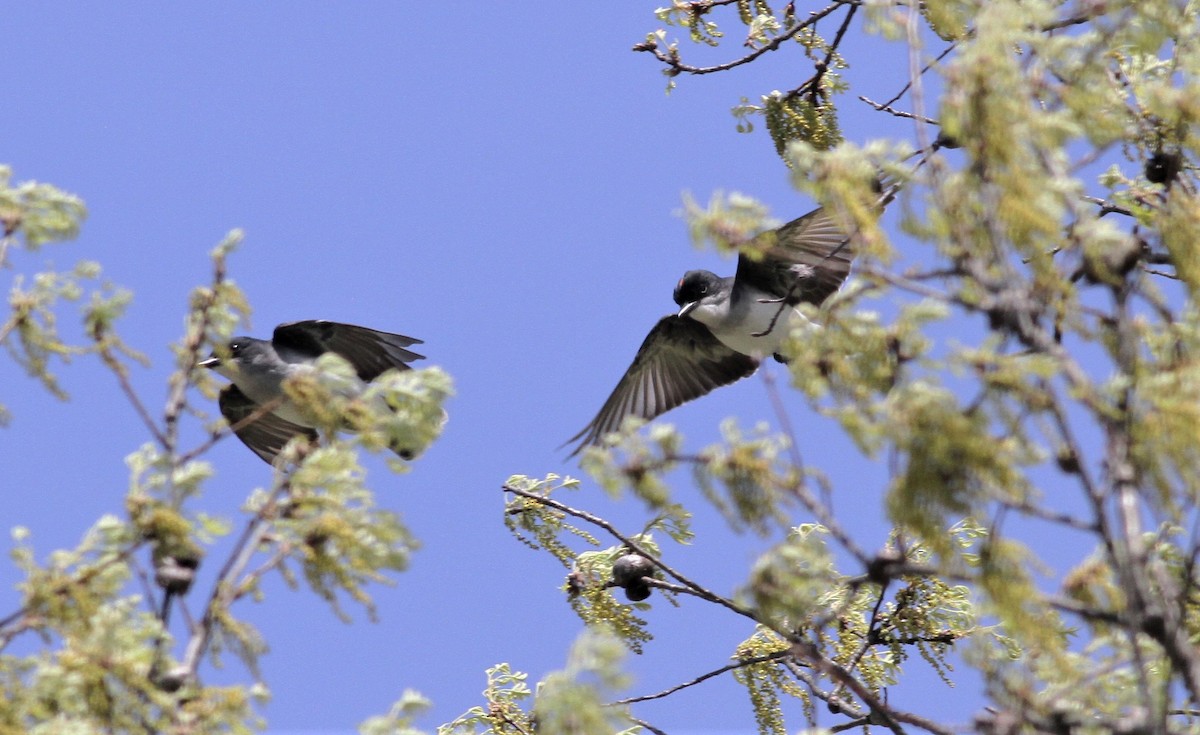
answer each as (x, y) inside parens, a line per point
(266, 435)
(369, 351)
(680, 360)
(805, 260)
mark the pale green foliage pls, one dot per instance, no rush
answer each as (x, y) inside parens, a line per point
(215, 310)
(849, 368)
(1062, 684)
(31, 332)
(404, 409)
(802, 597)
(39, 213)
(766, 681)
(1168, 410)
(746, 478)
(728, 222)
(107, 663)
(107, 644)
(1031, 352)
(572, 701)
(642, 460)
(701, 30)
(591, 594)
(399, 411)
(1180, 221)
(794, 579)
(540, 524)
(329, 523)
(847, 180)
(1011, 595)
(35, 214)
(798, 597)
(794, 117)
(505, 691)
(398, 721)
(949, 19)
(806, 113)
(952, 462)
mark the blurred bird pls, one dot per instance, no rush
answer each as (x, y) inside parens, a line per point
(725, 326)
(257, 369)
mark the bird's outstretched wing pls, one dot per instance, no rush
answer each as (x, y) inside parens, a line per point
(680, 360)
(805, 260)
(369, 351)
(266, 435)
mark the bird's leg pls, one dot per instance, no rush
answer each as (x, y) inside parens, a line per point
(783, 304)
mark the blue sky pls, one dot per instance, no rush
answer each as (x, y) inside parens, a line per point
(500, 180)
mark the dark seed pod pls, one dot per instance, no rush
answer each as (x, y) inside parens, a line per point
(1163, 167)
(175, 575)
(884, 567)
(173, 680)
(637, 591)
(1067, 461)
(630, 569)
(946, 141)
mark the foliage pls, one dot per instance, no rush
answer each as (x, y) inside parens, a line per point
(109, 660)
(570, 701)
(1046, 161)
(1023, 359)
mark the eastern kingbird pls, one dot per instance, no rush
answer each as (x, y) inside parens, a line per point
(725, 326)
(258, 368)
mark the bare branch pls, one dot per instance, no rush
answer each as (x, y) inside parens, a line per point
(634, 547)
(706, 676)
(671, 59)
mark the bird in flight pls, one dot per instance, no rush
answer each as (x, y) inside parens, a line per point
(257, 369)
(726, 326)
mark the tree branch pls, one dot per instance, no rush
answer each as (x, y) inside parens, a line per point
(633, 547)
(671, 59)
(704, 677)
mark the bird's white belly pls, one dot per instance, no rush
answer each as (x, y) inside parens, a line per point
(288, 411)
(761, 331)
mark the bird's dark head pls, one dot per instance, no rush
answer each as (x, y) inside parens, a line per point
(238, 351)
(694, 287)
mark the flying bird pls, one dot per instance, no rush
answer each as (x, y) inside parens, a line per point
(725, 326)
(258, 368)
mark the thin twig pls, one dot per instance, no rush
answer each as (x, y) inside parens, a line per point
(654, 730)
(118, 369)
(800, 488)
(706, 676)
(678, 67)
(891, 718)
(893, 111)
(633, 547)
(224, 590)
(927, 67)
(1107, 207)
(193, 341)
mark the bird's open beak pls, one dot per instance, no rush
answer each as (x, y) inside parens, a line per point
(688, 308)
(209, 362)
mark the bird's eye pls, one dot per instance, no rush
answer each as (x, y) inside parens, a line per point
(235, 347)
